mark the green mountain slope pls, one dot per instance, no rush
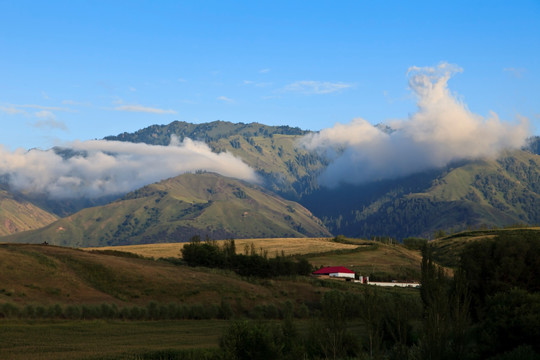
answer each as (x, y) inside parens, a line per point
(176, 209)
(271, 150)
(465, 195)
(17, 214)
(471, 194)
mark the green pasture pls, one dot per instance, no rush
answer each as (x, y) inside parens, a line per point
(100, 339)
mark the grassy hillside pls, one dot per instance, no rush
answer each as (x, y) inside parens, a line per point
(289, 246)
(46, 275)
(271, 150)
(447, 250)
(470, 194)
(386, 261)
(176, 209)
(19, 215)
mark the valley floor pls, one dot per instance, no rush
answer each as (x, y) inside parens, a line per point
(100, 339)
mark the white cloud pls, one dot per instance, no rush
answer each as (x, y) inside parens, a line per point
(225, 99)
(77, 103)
(442, 130)
(264, 71)
(50, 123)
(316, 87)
(11, 110)
(258, 84)
(144, 109)
(40, 107)
(45, 114)
(112, 167)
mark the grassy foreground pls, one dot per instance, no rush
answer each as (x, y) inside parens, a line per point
(101, 339)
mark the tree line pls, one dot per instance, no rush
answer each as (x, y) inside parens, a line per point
(250, 263)
(489, 308)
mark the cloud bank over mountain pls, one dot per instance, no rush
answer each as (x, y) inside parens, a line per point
(442, 130)
(99, 168)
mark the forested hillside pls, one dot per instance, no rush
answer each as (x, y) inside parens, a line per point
(470, 194)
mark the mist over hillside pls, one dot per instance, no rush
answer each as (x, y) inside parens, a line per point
(174, 210)
(441, 168)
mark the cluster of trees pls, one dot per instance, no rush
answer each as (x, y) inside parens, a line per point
(251, 263)
(152, 311)
(386, 329)
(490, 308)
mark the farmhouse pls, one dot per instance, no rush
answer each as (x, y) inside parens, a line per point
(335, 271)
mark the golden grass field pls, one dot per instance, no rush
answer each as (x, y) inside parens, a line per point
(392, 259)
(290, 246)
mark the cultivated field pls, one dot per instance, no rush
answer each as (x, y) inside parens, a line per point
(290, 246)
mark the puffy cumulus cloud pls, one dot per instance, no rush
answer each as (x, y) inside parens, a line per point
(99, 168)
(442, 130)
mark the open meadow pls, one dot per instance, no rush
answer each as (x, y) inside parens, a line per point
(273, 246)
(100, 339)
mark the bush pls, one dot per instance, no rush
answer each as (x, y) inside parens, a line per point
(246, 340)
(8, 310)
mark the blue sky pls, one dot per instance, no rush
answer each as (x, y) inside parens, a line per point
(79, 70)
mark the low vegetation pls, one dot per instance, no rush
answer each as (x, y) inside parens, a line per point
(488, 307)
(210, 254)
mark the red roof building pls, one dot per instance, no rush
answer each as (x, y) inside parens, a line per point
(335, 271)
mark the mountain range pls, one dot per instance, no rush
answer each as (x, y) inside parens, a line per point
(465, 194)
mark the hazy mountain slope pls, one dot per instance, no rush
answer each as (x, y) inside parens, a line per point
(174, 210)
(271, 150)
(467, 195)
(17, 214)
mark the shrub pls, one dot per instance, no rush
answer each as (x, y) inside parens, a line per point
(9, 310)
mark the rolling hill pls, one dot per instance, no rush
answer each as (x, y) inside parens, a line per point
(48, 274)
(447, 250)
(45, 275)
(17, 214)
(176, 209)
